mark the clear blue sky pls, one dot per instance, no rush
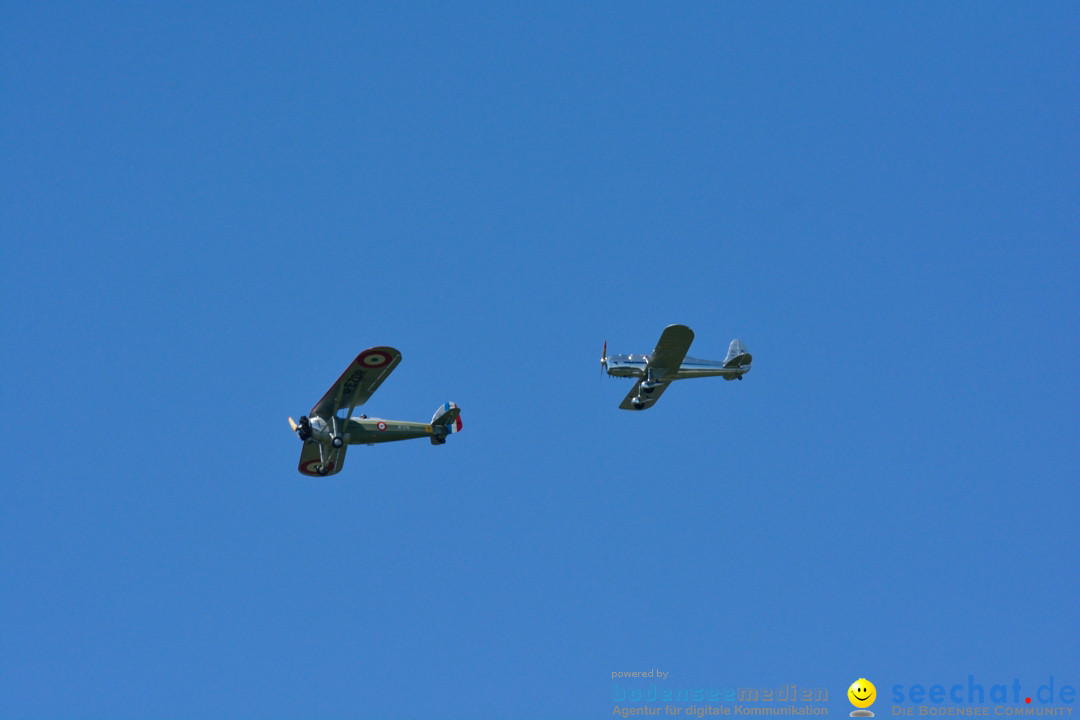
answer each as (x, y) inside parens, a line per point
(209, 209)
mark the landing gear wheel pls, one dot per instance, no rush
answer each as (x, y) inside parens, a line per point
(320, 469)
(337, 442)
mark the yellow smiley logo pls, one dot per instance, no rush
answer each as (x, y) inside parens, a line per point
(862, 693)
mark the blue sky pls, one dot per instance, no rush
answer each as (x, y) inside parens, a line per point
(208, 211)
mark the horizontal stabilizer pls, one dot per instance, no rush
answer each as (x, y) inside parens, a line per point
(737, 356)
(447, 420)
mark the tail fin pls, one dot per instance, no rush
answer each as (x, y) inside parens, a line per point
(737, 355)
(447, 420)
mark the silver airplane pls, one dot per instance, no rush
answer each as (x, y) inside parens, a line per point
(667, 363)
(327, 433)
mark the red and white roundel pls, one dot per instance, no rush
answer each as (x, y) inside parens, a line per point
(308, 468)
(381, 425)
(373, 358)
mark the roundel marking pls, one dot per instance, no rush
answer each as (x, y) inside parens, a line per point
(381, 425)
(309, 467)
(373, 358)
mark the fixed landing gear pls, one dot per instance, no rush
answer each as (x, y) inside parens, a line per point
(646, 387)
(648, 384)
(335, 435)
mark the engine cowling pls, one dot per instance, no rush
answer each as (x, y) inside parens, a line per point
(303, 428)
(320, 430)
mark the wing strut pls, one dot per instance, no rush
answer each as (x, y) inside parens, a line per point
(348, 415)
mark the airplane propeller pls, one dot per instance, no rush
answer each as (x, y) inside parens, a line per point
(302, 428)
(603, 360)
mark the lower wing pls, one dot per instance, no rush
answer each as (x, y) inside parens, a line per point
(638, 399)
(321, 460)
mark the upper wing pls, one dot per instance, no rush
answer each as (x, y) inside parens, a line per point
(662, 367)
(359, 381)
(670, 351)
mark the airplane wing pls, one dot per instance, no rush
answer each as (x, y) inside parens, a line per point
(662, 367)
(359, 381)
(647, 401)
(670, 351)
(311, 457)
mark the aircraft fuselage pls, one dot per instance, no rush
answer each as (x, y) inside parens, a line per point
(634, 366)
(368, 431)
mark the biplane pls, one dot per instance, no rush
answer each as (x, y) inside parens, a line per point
(327, 431)
(668, 363)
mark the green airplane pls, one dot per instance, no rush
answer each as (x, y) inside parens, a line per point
(327, 432)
